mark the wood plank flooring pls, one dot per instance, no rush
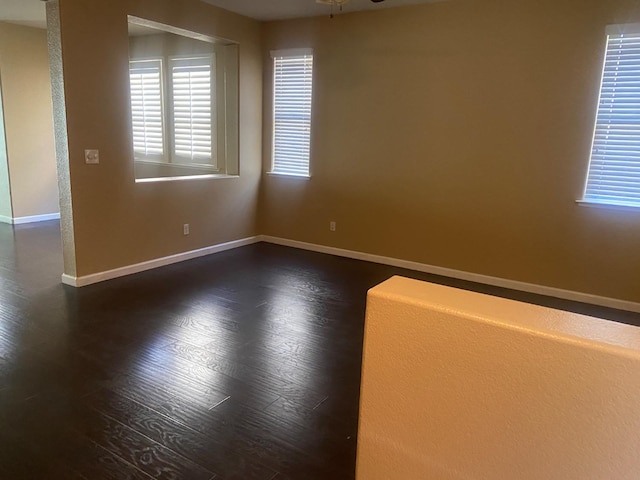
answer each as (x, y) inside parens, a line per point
(244, 365)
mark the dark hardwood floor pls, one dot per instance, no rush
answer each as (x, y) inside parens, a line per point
(241, 365)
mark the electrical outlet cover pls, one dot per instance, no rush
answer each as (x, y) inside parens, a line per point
(92, 157)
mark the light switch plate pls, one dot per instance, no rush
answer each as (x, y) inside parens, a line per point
(91, 157)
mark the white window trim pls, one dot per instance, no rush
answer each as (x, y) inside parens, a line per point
(608, 206)
(629, 29)
(291, 52)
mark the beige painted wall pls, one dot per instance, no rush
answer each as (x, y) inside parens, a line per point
(117, 222)
(457, 134)
(26, 85)
(458, 386)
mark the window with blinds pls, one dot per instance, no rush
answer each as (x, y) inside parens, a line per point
(184, 103)
(145, 78)
(292, 88)
(192, 107)
(614, 167)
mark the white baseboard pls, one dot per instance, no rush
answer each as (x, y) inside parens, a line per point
(395, 262)
(158, 262)
(462, 275)
(36, 218)
(30, 219)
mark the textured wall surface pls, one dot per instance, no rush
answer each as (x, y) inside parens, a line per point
(457, 134)
(459, 385)
(54, 42)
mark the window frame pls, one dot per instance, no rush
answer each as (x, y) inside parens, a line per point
(632, 202)
(291, 54)
(169, 155)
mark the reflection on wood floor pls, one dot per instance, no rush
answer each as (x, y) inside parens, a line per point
(241, 365)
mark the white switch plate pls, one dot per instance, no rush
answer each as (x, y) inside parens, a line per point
(185, 229)
(91, 157)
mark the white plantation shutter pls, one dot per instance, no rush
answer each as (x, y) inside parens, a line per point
(145, 77)
(614, 168)
(192, 85)
(293, 72)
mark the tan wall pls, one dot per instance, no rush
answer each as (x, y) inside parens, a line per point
(458, 385)
(457, 134)
(26, 85)
(116, 221)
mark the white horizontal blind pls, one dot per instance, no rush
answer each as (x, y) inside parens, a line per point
(614, 169)
(292, 112)
(146, 107)
(192, 84)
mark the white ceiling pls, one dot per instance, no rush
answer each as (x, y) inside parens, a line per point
(24, 12)
(32, 12)
(281, 9)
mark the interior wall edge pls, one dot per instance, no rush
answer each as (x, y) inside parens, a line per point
(6, 202)
(54, 41)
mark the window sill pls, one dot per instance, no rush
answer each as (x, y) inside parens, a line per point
(174, 163)
(288, 175)
(185, 177)
(609, 206)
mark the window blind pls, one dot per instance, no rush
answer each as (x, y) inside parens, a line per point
(614, 167)
(292, 112)
(192, 109)
(146, 107)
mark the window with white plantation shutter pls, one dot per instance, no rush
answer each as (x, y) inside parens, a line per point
(146, 108)
(191, 94)
(614, 168)
(292, 88)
